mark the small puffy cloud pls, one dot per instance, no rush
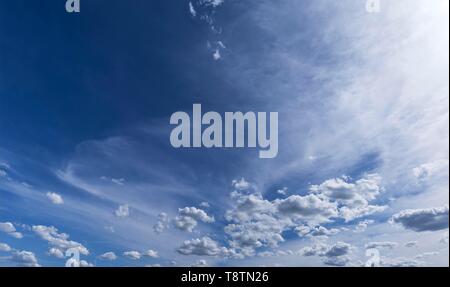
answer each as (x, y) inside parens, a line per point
(58, 240)
(309, 206)
(122, 211)
(334, 255)
(85, 264)
(189, 217)
(200, 263)
(201, 247)
(430, 219)
(282, 191)
(4, 247)
(3, 173)
(241, 184)
(55, 252)
(315, 231)
(55, 198)
(110, 256)
(133, 255)
(162, 223)
(8, 228)
(204, 204)
(216, 55)
(25, 259)
(151, 253)
(338, 249)
(340, 261)
(383, 244)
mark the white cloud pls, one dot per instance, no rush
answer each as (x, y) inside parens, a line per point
(122, 211)
(241, 184)
(55, 198)
(429, 219)
(162, 223)
(8, 228)
(55, 252)
(111, 256)
(58, 240)
(189, 216)
(151, 253)
(201, 247)
(134, 255)
(5, 247)
(25, 259)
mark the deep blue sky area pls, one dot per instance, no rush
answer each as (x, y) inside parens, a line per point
(70, 77)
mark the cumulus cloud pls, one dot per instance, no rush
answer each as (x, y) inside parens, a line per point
(189, 217)
(25, 259)
(133, 255)
(5, 247)
(429, 219)
(316, 231)
(334, 255)
(58, 240)
(122, 211)
(55, 198)
(110, 256)
(162, 223)
(201, 247)
(151, 253)
(400, 262)
(241, 184)
(8, 228)
(55, 252)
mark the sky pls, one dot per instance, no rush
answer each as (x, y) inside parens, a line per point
(87, 167)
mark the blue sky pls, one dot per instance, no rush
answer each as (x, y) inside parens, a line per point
(86, 161)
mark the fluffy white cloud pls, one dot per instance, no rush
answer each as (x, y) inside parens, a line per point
(162, 223)
(58, 240)
(4, 247)
(134, 255)
(151, 253)
(192, 10)
(8, 228)
(189, 216)
(25, 259)
(429, 219)
(55, 252)
(111, 256)
(122, 211)
(201, 247)
(55, 198)
(334, 255)
(353, 198)
(241, 184)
